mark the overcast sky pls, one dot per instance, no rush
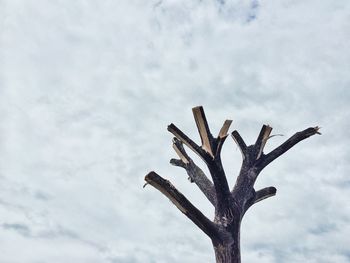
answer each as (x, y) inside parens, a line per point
(87, 89)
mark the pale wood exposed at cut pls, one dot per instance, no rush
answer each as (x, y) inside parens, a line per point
(203, 129)
(224, 129)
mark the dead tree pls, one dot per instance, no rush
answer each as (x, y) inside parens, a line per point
(230, 205)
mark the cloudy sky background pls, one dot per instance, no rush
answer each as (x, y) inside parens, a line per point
(87, 89)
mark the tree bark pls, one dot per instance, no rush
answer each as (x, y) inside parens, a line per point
(230, 206)
(228, 252)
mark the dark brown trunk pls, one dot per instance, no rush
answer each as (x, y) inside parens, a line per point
(227, 253)
(228, 250)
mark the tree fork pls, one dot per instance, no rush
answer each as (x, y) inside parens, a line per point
(230, 206)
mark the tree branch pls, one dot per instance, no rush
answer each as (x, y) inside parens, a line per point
(264, 193)
(222, 136)
(191, 144)
(180, 150)
(261, 140)
(296, 138)
(213, 147)
(183, 204)
(195, 174)
(240, 143)
(203, 129)
(222, 190)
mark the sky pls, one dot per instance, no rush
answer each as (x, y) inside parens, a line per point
(87, 89)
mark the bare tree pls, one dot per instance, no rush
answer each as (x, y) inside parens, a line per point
(230, 205)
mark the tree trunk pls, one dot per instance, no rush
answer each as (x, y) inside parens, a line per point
(227, 253)
(228, 249)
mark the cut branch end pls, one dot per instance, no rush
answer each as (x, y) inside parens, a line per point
(265, 193)
(177, 162)
(224, 129)
(203, 129)
(179, 149)
(260, 143)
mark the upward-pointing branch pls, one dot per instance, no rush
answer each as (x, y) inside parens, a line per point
(222, 136)
(261, 140)
(203, 130)
(195, 174)
(209, 144)
(240, 143)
